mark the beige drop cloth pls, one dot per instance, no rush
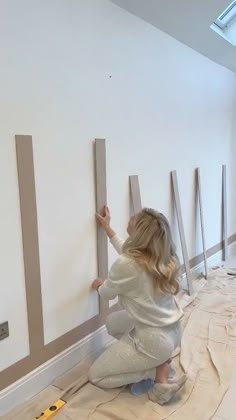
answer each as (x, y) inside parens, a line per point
(208, 353)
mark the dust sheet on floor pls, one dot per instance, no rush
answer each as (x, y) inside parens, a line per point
(207, 354)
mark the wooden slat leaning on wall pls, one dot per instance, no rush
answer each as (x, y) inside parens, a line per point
(181, 231)
(26, 180)
(224, 214)
(101, 201)
(136, 202)
(199, 191)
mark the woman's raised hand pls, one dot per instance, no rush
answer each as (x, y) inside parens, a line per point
(104, 218)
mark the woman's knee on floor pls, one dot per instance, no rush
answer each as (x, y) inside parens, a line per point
(95, 377)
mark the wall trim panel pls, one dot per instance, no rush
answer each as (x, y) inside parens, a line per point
(101, 201)
(224, 213)
(181, 231)
(29, 226)
(136, 202)
(199, 193)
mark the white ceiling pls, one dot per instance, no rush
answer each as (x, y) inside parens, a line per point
(188, 21)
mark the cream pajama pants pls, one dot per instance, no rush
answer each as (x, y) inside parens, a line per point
(136, 354)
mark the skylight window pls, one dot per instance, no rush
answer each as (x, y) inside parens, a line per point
(225, 24)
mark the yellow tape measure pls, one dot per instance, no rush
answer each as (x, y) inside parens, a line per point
(51, 411)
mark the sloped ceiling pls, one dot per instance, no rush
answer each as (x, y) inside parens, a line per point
(189, 22)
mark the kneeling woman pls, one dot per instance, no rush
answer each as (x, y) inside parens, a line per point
(148, 329)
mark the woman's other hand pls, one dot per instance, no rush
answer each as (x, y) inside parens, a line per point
(97, 283)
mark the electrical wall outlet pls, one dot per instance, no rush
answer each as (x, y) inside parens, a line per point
(4, 331)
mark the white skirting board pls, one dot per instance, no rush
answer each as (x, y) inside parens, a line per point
(40, 378)
(37, 380)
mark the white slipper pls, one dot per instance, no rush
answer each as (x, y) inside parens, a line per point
(178, 379)
(162, 393)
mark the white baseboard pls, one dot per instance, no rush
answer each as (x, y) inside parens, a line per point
(44, 375)
(37, 380)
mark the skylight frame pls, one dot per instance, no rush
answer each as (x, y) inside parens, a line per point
(227, 17)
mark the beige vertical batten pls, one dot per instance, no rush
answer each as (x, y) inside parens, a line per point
(136, 201)
(224, 214)
(199, 191)
(181, 231)
(101, 201)
(29, 223)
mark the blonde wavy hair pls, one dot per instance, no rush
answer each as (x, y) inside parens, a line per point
(152, 247)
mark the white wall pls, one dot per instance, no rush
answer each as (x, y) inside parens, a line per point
(73, 70)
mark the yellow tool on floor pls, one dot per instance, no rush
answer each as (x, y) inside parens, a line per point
(53, 410)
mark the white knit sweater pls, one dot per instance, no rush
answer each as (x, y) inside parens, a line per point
(137, 294)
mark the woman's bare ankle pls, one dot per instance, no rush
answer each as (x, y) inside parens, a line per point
(162, 373)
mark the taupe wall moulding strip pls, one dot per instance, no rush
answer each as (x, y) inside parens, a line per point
(224, 213)
(101, 201)
(199, 191)
(135, 193)
(29, 223)
(181, 231)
